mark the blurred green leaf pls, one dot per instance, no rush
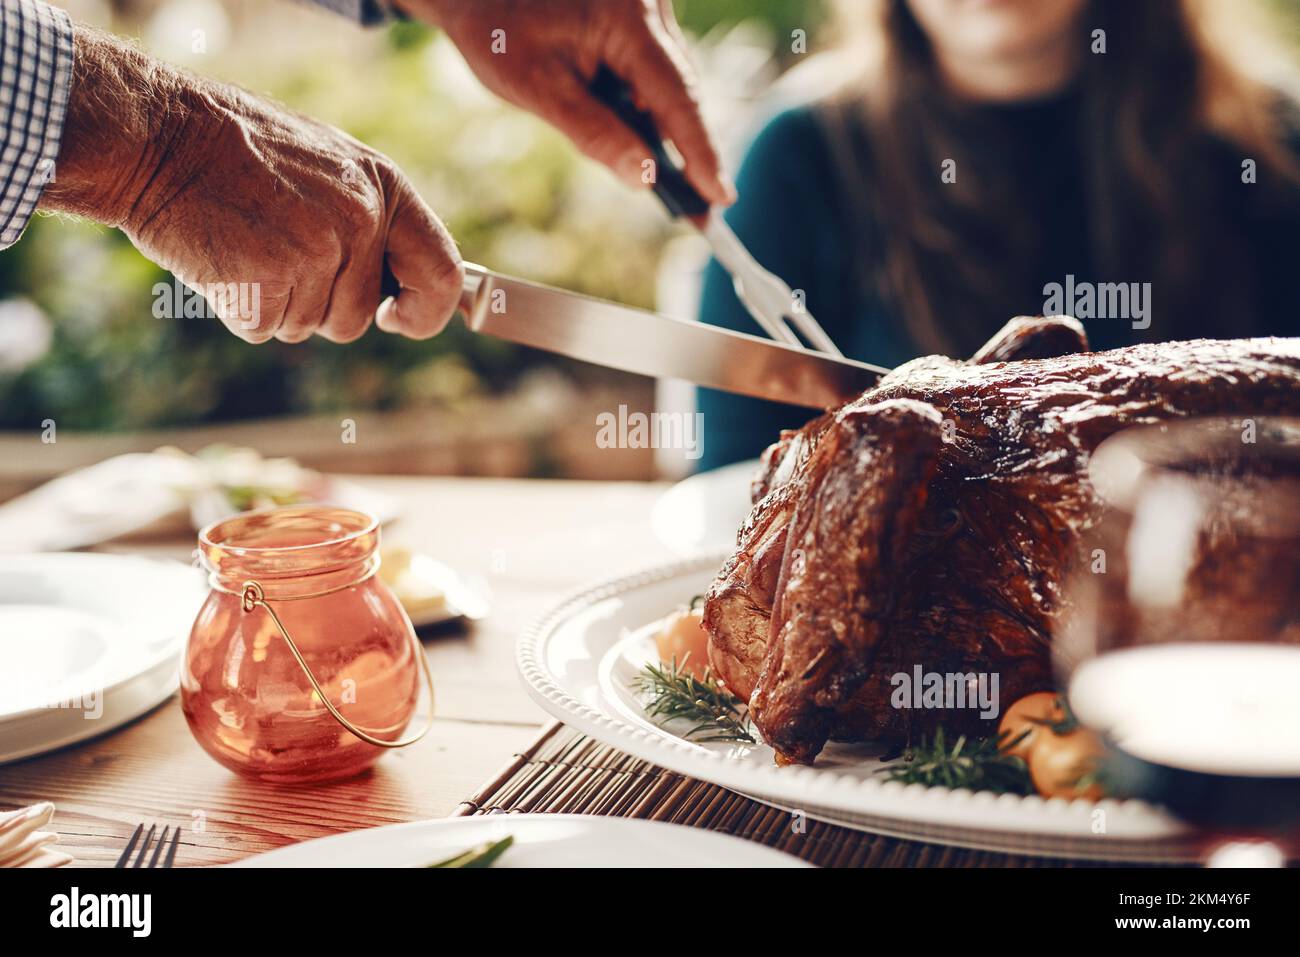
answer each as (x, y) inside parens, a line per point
(511, 189)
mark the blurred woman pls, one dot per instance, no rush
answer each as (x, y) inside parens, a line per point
(1005, 157)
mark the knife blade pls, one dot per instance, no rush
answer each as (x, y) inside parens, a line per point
(648, 343)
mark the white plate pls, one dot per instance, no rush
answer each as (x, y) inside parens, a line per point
(87, 642)
(540, 840)
(211, 505)
(127, 493)
(95, 504)
(702, 512)
(577, 662)
(463, 600)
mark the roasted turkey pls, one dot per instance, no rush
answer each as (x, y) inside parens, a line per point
(933, 520)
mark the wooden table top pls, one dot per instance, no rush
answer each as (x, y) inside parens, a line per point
(528, 541)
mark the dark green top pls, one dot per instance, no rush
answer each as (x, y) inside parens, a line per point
(792, 217)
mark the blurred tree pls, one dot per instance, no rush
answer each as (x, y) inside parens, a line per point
(512, 190)
(782, 16)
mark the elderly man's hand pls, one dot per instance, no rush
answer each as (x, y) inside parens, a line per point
(542, 54)
(232, 193)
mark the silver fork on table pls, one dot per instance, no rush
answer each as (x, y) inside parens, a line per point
(142, 857)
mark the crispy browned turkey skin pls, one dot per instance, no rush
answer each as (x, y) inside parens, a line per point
(933, 520)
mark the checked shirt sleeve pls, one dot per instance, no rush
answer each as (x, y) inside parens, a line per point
(35, 75)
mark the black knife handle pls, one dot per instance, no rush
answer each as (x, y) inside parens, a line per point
(388, 284)
(469, 291)
(670, 185)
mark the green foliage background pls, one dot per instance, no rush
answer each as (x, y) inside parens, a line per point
(513, 192)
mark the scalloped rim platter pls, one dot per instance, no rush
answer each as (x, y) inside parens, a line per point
(577, 660)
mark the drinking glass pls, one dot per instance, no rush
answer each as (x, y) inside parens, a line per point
(1182, 642)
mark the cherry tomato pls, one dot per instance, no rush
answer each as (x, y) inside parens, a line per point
(1059, 762)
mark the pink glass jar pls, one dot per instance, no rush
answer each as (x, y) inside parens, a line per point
(299, 579)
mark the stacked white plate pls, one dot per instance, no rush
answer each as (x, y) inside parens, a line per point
(87, 643)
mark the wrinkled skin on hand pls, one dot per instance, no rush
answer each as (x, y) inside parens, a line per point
(541, 55)
(285, 223)
(231, 192)
(934, 520)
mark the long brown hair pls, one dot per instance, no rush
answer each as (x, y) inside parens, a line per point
(1176, 77)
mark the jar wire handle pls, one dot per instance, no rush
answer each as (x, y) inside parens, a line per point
(253, 596)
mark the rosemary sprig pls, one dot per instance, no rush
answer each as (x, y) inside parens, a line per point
(717, 715)
(484, 855)
(979, 764)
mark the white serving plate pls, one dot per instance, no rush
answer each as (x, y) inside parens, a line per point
(127, 493)
(540, 840)
(578, 659)
(702, 512)
(87, 643)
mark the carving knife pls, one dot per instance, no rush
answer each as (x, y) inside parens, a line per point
(651, 344)
(648, 343)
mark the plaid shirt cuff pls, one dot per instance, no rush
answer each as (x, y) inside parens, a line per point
(35, 76)
(366, 12)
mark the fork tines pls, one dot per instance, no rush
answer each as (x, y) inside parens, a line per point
(170, 837)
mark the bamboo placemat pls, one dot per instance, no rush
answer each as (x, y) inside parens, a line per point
(566, 772)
